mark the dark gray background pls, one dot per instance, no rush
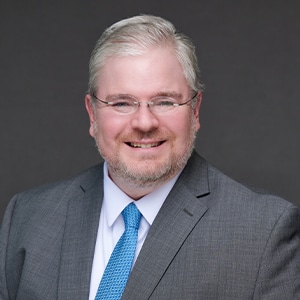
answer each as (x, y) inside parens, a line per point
(248, 53)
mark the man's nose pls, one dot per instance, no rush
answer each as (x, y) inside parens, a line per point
(143, 118)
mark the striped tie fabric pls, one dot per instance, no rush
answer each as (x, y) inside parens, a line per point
(117, 271)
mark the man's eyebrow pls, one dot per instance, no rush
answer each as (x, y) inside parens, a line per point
(175, 95)
(119, 96)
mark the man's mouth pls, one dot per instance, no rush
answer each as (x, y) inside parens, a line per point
(144, 145)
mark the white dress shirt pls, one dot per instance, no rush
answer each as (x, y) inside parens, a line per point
(111, 224)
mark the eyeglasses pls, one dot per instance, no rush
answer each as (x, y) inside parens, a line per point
(127, 104)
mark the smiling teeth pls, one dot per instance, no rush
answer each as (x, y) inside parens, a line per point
(135, 145)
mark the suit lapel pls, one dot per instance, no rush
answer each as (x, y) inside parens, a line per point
(80, 237)
(178, 216)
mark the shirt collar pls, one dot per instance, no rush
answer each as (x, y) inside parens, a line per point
(115, 200)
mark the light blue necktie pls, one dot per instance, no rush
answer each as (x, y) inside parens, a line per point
(117, 271)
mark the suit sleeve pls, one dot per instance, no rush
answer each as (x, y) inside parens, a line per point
(4, 240)
(279, 272)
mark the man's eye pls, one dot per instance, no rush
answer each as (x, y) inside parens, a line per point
(122, 103)
(165, 102)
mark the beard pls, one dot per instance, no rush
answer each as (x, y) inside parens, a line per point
(148, 174)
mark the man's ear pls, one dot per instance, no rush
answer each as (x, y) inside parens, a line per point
(197, 109)
(91, 112)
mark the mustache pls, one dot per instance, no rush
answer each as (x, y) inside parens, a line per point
(140, 135)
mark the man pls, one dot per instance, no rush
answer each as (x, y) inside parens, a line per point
(201, 235)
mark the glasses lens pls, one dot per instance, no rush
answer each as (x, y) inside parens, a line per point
(124, 105)
(163, 104)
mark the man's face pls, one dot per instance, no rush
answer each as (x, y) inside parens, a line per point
(143, 148)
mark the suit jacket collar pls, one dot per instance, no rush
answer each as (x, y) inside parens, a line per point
(179, 214)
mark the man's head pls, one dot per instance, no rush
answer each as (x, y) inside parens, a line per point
(143, 102)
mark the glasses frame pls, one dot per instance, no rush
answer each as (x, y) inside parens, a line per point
(138, 103)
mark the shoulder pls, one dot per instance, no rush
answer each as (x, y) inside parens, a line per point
(235, 198)
(49, 197)
(242, 194)
(84, 178)
(238, 214)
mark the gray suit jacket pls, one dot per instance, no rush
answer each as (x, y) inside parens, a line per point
(212, 239)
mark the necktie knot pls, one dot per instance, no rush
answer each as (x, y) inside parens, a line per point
(131, 216)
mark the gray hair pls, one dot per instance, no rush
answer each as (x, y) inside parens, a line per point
(134, 36)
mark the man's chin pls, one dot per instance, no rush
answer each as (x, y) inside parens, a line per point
(142, 173)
